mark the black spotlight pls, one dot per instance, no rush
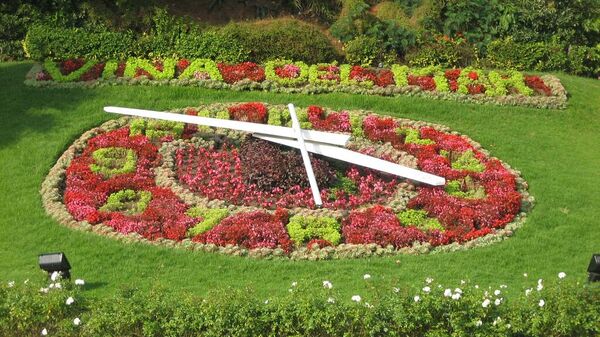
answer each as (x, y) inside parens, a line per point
(594, 268)
(55, 262)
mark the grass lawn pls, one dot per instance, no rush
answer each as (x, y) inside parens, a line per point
(557, 152)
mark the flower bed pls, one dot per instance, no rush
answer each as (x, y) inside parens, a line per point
(221, 190)
(468, 84)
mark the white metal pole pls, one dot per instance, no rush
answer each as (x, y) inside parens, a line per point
(307, 165)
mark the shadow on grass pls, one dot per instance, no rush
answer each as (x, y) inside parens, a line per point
(26, 108)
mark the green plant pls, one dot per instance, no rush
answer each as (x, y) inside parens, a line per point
(465, 188)
(324, 74)
(305, 228)
(500, 84)
(210, 218)
(53, 69)
(443, 51)
(412, 136)
(282, 39)
(200, 66)
(463, 161)
(584, 60)
(509, 54)
(364, 50)
(111, 161)
(155, 129)
(215, 44)
(419, 219)
(301, 78)
(128, 201)
(136, 64)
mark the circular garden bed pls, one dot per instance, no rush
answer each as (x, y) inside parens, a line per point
(225, 191)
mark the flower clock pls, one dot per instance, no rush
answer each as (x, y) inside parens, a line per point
(220, 190)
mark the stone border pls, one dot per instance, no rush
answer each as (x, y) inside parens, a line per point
(52, 200)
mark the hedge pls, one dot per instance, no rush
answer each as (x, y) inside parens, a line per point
(559, 307)
(258, 42)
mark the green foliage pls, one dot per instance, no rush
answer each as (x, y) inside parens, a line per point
(53, 69)
(199, 66)
(443, 51)
(342, 184)
(570, 22)
(278, 117)
(111, 161)
(281, 39)
(128, 201)
(542, 56)
(500, 85)
(270, 74)
(308, 309)
(135, 64)
(584, 60)
(412, 136)
(305, 228)
(465, 188)
(464, 80)
(364, 50)
(419, 219)
(356, 121)
(466, 161)
(44, 42)
(155, 129)
(400, 75)
(210, 218)
(480, 21)
(213, 44)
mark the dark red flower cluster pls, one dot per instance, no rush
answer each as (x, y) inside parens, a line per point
(379, 225)
(94, 73)
(385, 77)
(537, 84)
(43, 76)
(69, 66)
(254, 112)
(333, 121)
(381, 129)
(475, 89)
(361, 74)
(425, 82)
(86, 192)
(233, 73)
(182, 65)
(452, 77)
(318, 243)
(332, 72)
(218, 174)
(251, 230)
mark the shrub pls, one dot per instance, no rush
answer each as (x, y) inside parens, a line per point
(56, 43)
(442, 51)
(542, 56)
(282, 38)
(363, 50)
(308, 228)
(217, 45)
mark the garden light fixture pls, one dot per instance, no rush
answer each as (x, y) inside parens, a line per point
(55, 262)
(594, 268)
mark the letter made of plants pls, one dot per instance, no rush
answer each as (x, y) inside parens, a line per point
(222, 190)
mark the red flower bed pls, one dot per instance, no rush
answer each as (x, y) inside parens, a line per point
(381, 226)
(253, 112)
(334, 121)
(71, 65)
(537, 84)
(233, 73)
(425, 82)
(362, 74)
(86, 191)
(94, 73)
(381, 129)
(251, 230)
(288, 71)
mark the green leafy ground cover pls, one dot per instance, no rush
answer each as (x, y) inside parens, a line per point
(557, 152)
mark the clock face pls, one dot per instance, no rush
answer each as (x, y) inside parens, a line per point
(219, 189)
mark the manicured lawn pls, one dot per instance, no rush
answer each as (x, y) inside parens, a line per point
(557, 152)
